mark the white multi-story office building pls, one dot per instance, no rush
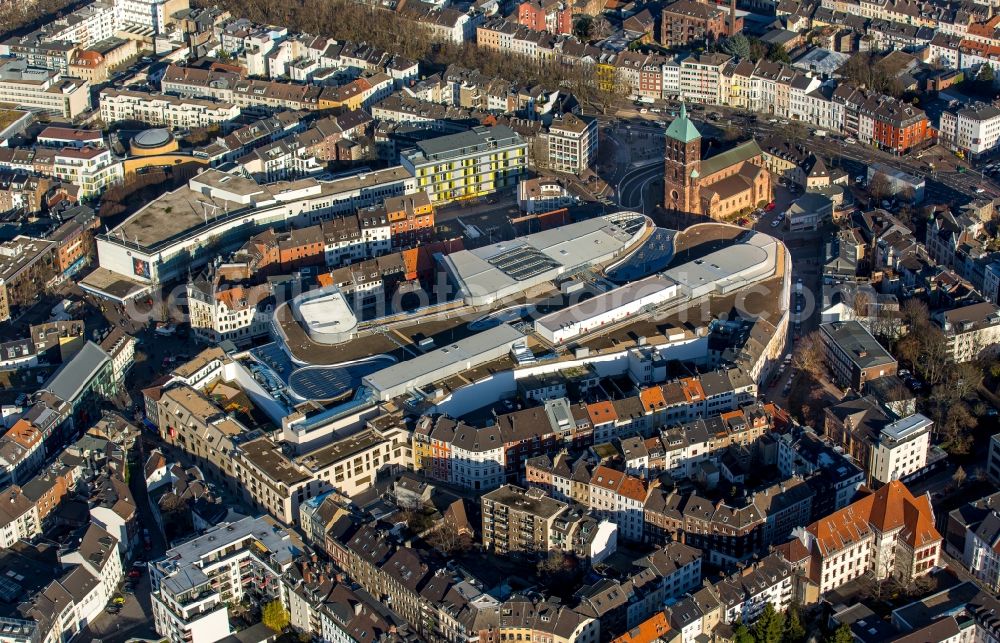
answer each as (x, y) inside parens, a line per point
(973, 130)
(901, 448)
(701, 77)
(572, 143)
(151, 14)
(43, 90)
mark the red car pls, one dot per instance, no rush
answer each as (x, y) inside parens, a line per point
(770, 206)
(135, 573)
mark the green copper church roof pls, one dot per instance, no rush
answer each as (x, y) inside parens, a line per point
(682, 129)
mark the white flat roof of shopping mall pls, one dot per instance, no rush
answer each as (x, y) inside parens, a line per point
(326, 316)
(655, 288)
(732, 267)
(444, 362)
(492, 272)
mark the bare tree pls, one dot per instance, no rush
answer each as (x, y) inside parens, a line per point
(965, 378)
(926, 349)
(915, 313)
(808, 356)
(554, 562)
(448, 538)
(885, 324)
(880, 187)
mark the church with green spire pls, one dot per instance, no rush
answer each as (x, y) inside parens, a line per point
(719, 186)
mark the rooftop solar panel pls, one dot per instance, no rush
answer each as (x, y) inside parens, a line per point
(523, 262)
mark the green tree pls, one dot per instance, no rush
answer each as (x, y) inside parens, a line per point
(795, 632)
(275, 616)
(841, 635)
(778, 54)
(742, 635)
(769, 626)
(985, 75)
(758, 49)
(583, 27)
(738, 45)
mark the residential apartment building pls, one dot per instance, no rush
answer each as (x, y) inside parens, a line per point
(155, 15)
(468, 164)
(743, 596)
(240, 141)
(26, 266)
(18, 517)
(188, 419)
(163, 109)
(91, 168)
(685, 22)
(972, 535)
(527, 620)
(257, 96)
(411, 219)
(519, 521)
(197, 580)
(60, 592)
(87, 25)
(853, 355)
(993, 459)
(892, 125)
(554, 16)
(120, 347)
(970, 331)
(95, 571)
(74, 241)
(701, 77)
(414, 582)
(42, 90)
(279, 483)
(94, 169)
(619, 498)
(572, 143)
